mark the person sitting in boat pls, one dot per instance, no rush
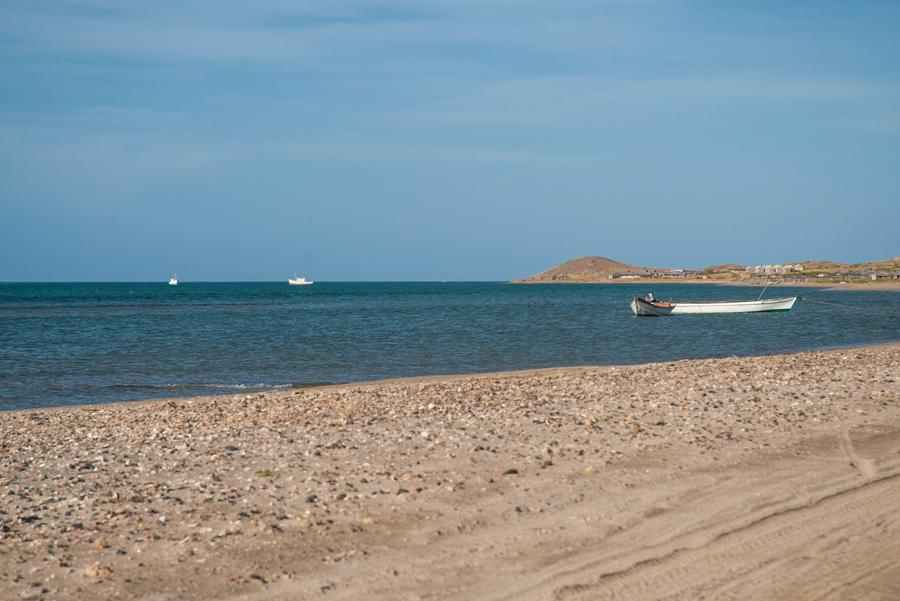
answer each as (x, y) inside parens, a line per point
(649, 298)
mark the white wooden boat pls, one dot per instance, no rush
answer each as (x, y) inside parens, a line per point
(295, 281)
(173, 281)
(644, 307)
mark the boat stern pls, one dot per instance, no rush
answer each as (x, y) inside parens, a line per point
(644, 308)
(634, 306)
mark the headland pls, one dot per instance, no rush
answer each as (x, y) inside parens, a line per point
(874, 275)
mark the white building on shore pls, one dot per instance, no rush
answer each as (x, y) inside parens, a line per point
(773, 269)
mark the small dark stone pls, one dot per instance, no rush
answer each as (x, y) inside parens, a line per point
(312, 499)
(510, 471)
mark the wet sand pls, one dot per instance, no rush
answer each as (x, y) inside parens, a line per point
(743, 478)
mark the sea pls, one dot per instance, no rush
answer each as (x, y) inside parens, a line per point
(75, 343)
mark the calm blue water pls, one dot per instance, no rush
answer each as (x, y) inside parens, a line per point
(64, 344)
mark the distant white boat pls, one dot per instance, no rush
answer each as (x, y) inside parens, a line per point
(644, 307)
(295, 281)
(173, 281)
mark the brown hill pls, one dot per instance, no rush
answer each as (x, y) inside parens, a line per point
(601, 269)
(892, 264)
(822, 265)
(726, 267)
(589, 269)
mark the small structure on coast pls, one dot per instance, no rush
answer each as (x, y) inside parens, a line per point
(604, 270)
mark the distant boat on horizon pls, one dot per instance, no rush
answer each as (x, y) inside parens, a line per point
(173, 281)
(295, 281)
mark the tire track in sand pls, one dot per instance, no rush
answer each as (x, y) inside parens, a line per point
(799, 552)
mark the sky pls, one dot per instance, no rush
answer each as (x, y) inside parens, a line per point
(444, 139)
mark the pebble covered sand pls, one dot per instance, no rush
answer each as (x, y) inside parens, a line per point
(398, 489)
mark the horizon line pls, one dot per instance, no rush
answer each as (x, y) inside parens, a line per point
(180, 282)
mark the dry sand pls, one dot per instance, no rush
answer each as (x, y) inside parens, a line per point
(741, 478)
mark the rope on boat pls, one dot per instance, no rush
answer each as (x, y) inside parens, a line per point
(807, 299)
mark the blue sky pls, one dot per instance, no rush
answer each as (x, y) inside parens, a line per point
(441, 140)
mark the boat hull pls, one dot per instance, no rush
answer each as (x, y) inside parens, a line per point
(643, 308)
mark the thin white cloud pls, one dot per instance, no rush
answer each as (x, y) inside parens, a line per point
(137, 156)
(557, 101)
(410, 153)
(878, 123)
(765, 88)
(280, 34)
(135, 113)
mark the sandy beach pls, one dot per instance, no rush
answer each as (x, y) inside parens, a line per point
(882, 286)
(740, 478)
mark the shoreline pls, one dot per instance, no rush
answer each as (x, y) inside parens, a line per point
(893, 286)
(532, 485)
(445, 377)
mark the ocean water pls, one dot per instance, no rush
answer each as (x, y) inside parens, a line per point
(63, 344)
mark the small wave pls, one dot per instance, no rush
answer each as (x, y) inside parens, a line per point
(309, 384)
(246, 386)
(198, 386)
